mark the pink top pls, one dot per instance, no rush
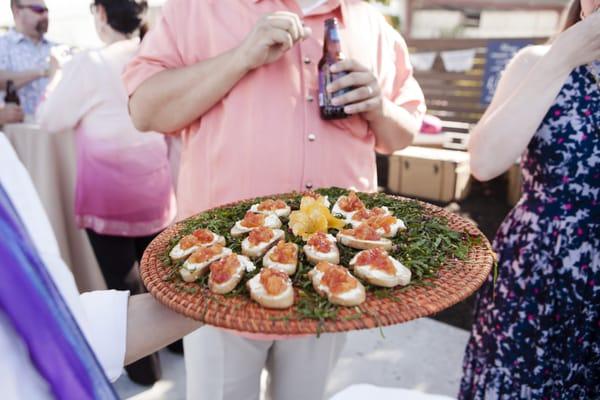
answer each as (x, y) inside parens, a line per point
(266, 135)
(124, 186)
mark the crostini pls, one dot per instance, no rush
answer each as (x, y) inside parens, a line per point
(197, 263)
(254, 220)
(269, 206)
(337, 284)
(260, 240)
(362, 238)
(271, 288)
(190, 243)
(321, 247)
(347, 206)
(283, 257)
(378, 268)
(226, 273)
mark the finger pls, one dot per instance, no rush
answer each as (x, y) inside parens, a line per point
(348, 65)
(356, 95)
(303, 31)
(287, 23)
(354, 79)
(364, 106)
(282, 38)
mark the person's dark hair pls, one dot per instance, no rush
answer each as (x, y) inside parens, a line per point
(125, 16)
(572, 15)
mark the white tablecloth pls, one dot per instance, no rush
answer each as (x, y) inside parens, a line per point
(50, 160)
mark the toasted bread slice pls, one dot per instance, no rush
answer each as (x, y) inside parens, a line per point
(226, 273)
(197, 264)
(260, 294)
(400, 275)
(288, 268)
(351, 241)
(256, 251)
(352, 297)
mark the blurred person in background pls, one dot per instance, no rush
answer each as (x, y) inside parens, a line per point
(25, 55)
(536, 333)
(10, 114)
(124, 193)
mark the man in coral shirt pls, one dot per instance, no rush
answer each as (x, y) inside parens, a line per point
(238, 80)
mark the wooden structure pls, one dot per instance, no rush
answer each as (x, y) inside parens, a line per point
(454, 97)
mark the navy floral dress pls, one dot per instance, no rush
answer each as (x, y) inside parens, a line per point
(537, 330)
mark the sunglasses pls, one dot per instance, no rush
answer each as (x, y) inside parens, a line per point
(35, 8)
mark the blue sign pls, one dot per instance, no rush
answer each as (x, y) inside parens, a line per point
(499, 53)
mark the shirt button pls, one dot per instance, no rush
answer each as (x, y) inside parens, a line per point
(312, 137)
(309, 185)
(309, 98)
(306, 60)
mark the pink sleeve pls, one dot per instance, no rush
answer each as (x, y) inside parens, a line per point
(158, 51)
(400, 86)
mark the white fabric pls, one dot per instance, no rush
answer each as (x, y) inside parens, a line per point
(364, 391)
(101, 315)
(458, 60)
(423, 61)
(309, 9)
(225, 366)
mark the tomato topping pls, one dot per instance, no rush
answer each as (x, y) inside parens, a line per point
(363, 232)
(205, 253)
(320, 242)
(271, 205)
(351, 203)
(382, 221)
(274, 281)
(284, 253)
(364, 214)
(378, 259)
(221, 271)
(253, 220)
(336, 278)
(204, 235)
(260, 235)
(188, 241)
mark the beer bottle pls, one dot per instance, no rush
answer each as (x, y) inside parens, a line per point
(332, 53)
(11, 95)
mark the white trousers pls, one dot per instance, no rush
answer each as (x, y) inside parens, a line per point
(223, 366)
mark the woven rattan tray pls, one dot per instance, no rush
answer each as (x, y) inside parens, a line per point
(456, 280)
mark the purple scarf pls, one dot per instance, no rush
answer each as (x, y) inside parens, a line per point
(39, 314)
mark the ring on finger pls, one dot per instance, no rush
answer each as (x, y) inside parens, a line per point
(370, 90)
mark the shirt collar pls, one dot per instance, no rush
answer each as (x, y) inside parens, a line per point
(328, 7)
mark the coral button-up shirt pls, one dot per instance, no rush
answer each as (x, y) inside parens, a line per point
(266, 135)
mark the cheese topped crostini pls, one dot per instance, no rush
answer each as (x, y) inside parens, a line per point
(198, 262)
(386, 225)
(363, 237)
(260, 240)
(337, 284)
(254, 220)
(269, 206)
(362, 215)
(283, 257)
(347, 206)
(271, 288)
(190, 243)
(226, 273)
(378, 268)
(321, 247)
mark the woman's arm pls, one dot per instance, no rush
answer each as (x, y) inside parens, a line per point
(526, 91)
(151, 326)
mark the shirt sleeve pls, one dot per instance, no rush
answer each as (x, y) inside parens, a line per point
(69, 97)
(398, 82)
(158, 50)
(106, 326)
(4, 64)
